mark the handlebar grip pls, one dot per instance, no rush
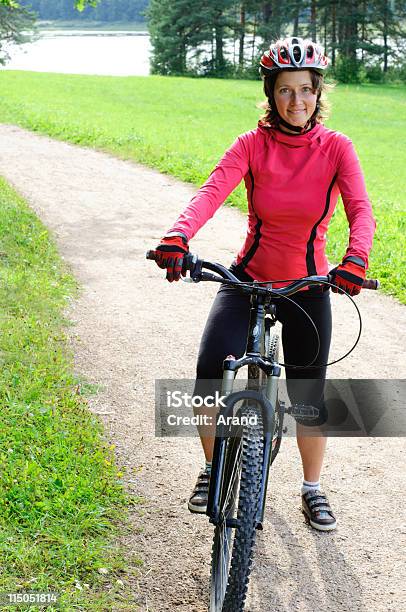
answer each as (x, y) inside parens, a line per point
(370, 283)
(189, 259)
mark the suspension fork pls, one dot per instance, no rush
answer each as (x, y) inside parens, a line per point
(271, 395)
(267, 404)
(220, 445)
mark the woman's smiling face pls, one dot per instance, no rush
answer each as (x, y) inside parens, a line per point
(295, 97)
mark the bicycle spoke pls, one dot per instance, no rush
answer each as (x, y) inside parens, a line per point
(236, 467)
(224, 561)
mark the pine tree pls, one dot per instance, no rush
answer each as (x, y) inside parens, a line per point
(391, 25)
(174, 30)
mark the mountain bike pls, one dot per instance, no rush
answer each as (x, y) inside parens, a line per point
(248, 434)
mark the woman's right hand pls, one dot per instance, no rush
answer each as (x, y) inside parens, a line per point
(170, 253)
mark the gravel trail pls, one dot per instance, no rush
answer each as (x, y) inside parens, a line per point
(131, 327)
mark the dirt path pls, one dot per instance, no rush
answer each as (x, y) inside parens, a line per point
(131, 328)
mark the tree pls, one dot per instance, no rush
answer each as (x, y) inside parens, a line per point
(296, 17)
(221, 19)
(313, 20)
(242, 32)
(173, 30)
(274, 21)
(247, 25)
(178, 34)
(15, 21)
(390, 23)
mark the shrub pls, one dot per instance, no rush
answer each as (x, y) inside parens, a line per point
(375, 74)
(348, 70)
(396, 74)
(250, 72)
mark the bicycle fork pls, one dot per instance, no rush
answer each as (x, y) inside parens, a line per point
(267, 405)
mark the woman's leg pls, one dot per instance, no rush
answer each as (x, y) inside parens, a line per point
(300, 346)
(307, 386)
(311, 450)
(225, 334)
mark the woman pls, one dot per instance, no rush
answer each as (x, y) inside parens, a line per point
(294, 169)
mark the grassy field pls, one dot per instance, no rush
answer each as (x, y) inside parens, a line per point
(182, 126)
(61, 497)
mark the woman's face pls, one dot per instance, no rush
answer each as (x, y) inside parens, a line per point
(294, 96)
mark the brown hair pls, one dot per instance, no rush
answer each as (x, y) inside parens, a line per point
(271, 116)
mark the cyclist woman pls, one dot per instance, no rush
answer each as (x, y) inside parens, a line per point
(294, 169)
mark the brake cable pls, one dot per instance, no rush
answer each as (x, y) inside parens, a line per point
(325, 365)
(249, 284)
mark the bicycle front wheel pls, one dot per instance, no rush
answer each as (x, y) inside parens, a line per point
(234, 536)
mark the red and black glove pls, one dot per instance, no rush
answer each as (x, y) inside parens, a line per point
(169, 254)
(349, 275)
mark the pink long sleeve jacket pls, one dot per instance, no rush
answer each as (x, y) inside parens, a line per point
(293, 183)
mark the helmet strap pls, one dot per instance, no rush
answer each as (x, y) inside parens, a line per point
(295, 128)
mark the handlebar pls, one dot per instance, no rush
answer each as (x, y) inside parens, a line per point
(370, 283)
(196, 266)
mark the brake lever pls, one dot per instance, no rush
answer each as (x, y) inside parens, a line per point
(194, 265)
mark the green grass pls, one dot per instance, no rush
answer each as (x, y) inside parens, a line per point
(182, 126)
(61, 498)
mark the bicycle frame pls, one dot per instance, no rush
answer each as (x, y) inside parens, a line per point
(260, 306)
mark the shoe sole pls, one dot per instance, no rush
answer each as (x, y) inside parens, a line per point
(197, 509)
(318, 526)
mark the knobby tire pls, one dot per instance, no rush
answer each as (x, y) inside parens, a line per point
(230, 577)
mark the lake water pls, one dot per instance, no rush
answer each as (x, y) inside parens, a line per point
(118, 53)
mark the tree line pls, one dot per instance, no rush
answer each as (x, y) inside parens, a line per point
(226, 37)
(104, 10)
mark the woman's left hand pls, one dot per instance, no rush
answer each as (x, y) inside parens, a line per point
(349, 276)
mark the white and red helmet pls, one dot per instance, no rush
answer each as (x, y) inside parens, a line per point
(293, 53)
